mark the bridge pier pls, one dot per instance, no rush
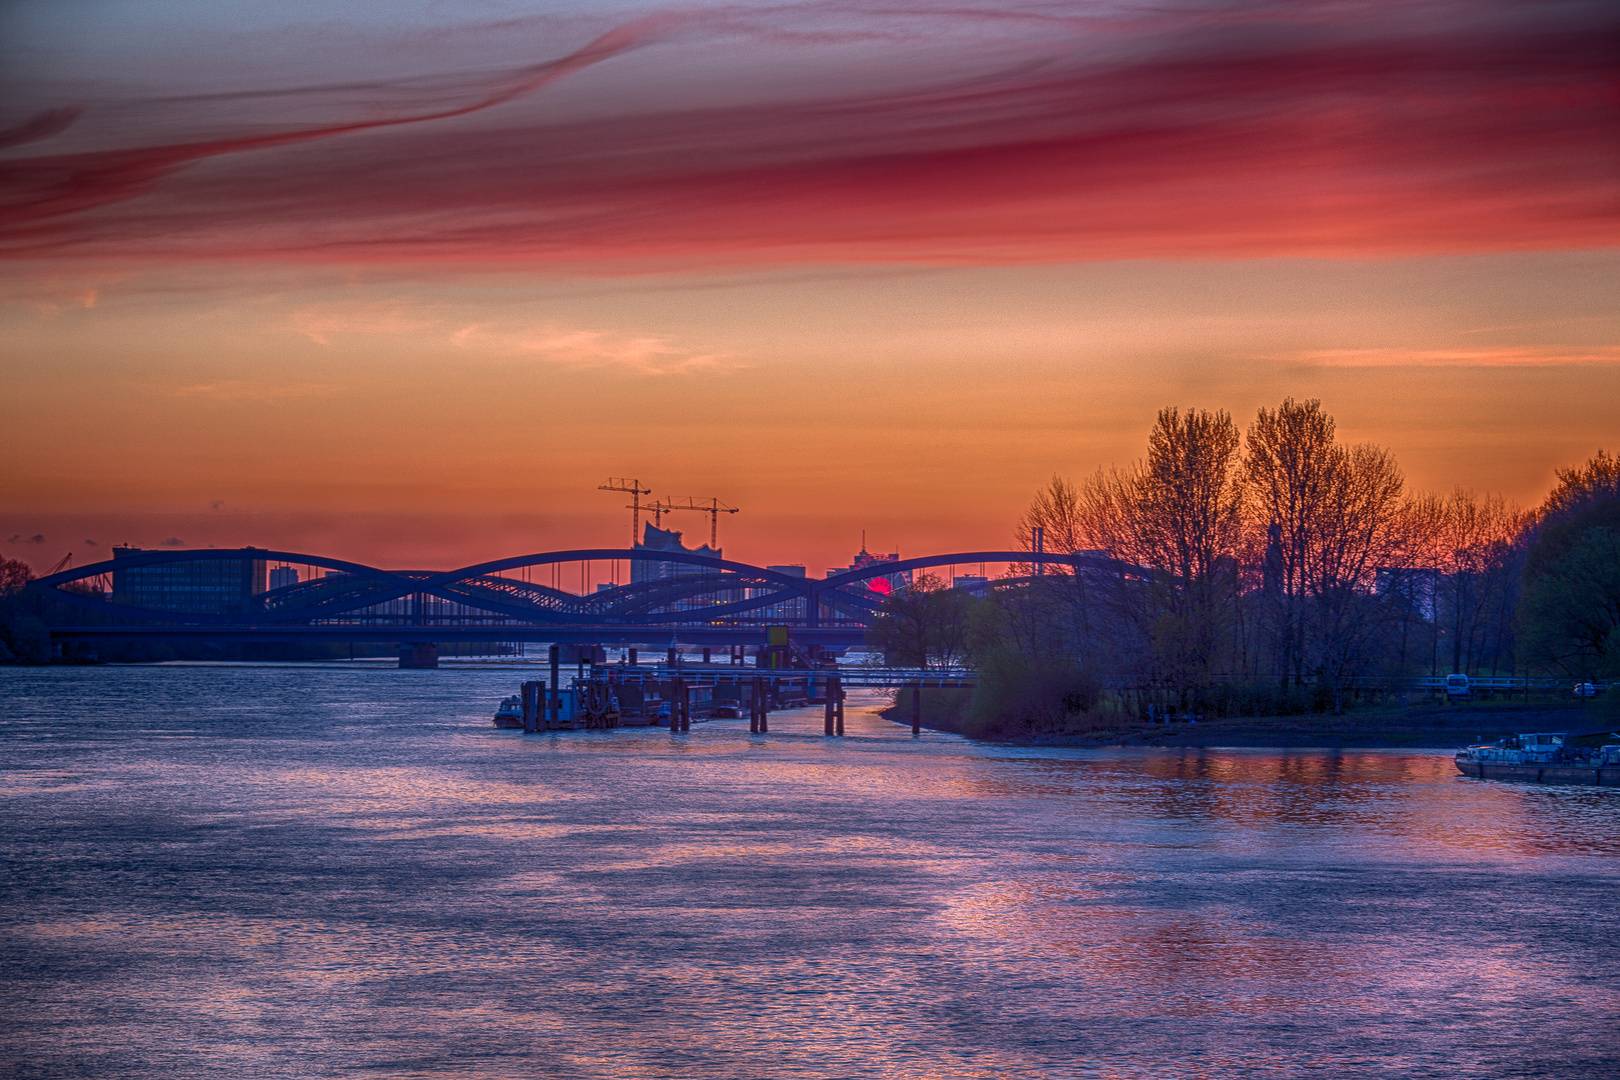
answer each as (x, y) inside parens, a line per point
(419, 654)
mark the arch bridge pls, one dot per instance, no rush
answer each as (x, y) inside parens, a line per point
(214, 594)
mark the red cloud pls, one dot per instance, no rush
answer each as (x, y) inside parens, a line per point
(1326, 128)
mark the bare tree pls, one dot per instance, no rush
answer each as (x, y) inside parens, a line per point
(1471, 543)
(1186, 522)
(925, 622)
(1056, 511)
(1331, 513)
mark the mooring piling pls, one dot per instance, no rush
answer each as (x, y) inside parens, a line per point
(555, 719)
(531, 707)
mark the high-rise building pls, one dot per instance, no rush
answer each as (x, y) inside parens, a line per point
(217, 586)
(282, 576)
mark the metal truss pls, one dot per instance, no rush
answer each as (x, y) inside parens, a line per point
(721, 592)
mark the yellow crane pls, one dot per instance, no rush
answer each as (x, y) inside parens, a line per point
(634, 489)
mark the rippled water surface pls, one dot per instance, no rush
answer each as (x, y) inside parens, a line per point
(303, 872)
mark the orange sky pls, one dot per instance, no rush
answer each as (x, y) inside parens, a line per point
(838, 291)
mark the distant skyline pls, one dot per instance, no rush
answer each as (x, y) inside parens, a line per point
(403, 283)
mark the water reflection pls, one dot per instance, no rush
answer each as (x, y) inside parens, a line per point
(302, 872)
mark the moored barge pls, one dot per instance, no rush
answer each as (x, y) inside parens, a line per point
(1589, 757)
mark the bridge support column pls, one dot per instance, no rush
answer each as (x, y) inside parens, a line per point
(916, 709)
(419, 654)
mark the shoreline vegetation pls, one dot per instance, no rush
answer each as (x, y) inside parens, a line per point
(1268, 586)
(1389, 727)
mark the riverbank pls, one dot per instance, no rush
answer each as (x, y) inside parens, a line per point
(1428, 726)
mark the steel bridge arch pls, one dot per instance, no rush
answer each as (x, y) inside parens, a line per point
(364, 586)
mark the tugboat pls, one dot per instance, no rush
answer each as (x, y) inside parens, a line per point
(510, 713)
(1556, 757)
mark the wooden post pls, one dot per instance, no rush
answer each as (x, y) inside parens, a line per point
(753, 709)
(686, 706)
(556, 690)
(764, 706)
(829, 709)
(916, 709)
(530, 708)
(836, 695)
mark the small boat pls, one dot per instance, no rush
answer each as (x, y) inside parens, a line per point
(510, 713)
(1553, 757)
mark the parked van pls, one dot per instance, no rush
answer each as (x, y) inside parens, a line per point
(1457, 688)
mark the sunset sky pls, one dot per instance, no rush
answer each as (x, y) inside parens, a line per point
(403, 283)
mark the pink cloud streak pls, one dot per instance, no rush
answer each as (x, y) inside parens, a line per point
(1251, 130)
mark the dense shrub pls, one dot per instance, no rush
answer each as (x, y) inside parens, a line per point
(1019, 697)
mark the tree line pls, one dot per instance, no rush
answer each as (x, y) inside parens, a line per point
(1270, 569)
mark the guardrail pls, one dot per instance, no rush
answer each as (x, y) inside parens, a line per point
(854, 676)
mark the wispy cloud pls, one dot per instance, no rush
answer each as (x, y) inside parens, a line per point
(323, 322)
(255, 390)
(974, 134)
(505, 340)
(1526, 356)
(590, 349)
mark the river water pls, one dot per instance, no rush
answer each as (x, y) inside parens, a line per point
(308, 872)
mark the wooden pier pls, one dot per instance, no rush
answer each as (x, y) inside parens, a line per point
(626, 695)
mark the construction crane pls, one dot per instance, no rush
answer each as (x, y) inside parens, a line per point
(59, 567)
(713, 507)
(634, 489)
